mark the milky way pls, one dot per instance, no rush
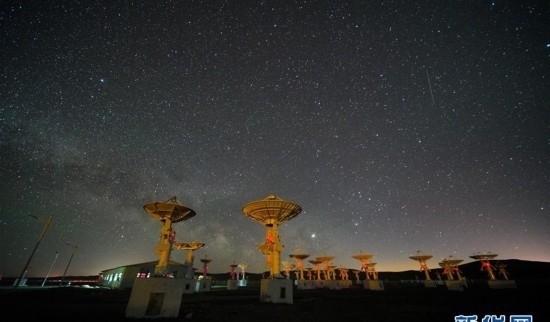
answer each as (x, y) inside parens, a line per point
(396, 127)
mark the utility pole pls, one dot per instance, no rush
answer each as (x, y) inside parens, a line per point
(51, 266)
(19, 280)
(69, 263)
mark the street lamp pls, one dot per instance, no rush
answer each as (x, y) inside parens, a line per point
(69, 263)
(20, 279)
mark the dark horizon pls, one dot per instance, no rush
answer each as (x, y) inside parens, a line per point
(517, 269)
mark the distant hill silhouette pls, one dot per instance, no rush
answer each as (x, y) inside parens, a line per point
(515, 268)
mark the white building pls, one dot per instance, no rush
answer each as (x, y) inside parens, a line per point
(123, 277)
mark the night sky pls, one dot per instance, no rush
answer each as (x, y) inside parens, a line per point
(397, 127)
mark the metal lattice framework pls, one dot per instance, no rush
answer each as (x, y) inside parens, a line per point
(168, 212)
(422, 259)
(271, 212)
(172, 209)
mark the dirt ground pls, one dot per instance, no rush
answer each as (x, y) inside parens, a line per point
(394, 303)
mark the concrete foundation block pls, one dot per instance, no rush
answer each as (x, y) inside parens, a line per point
(498, 284)
(155, 298)
(232, 284)
(277, 291)
(374, 285)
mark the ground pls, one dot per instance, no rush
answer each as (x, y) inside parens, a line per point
(395, 303)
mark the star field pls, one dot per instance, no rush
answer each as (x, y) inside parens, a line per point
(395, 126)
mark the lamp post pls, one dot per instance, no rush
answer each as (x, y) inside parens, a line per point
(51, 266)
(69, 263)
(19, 280)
